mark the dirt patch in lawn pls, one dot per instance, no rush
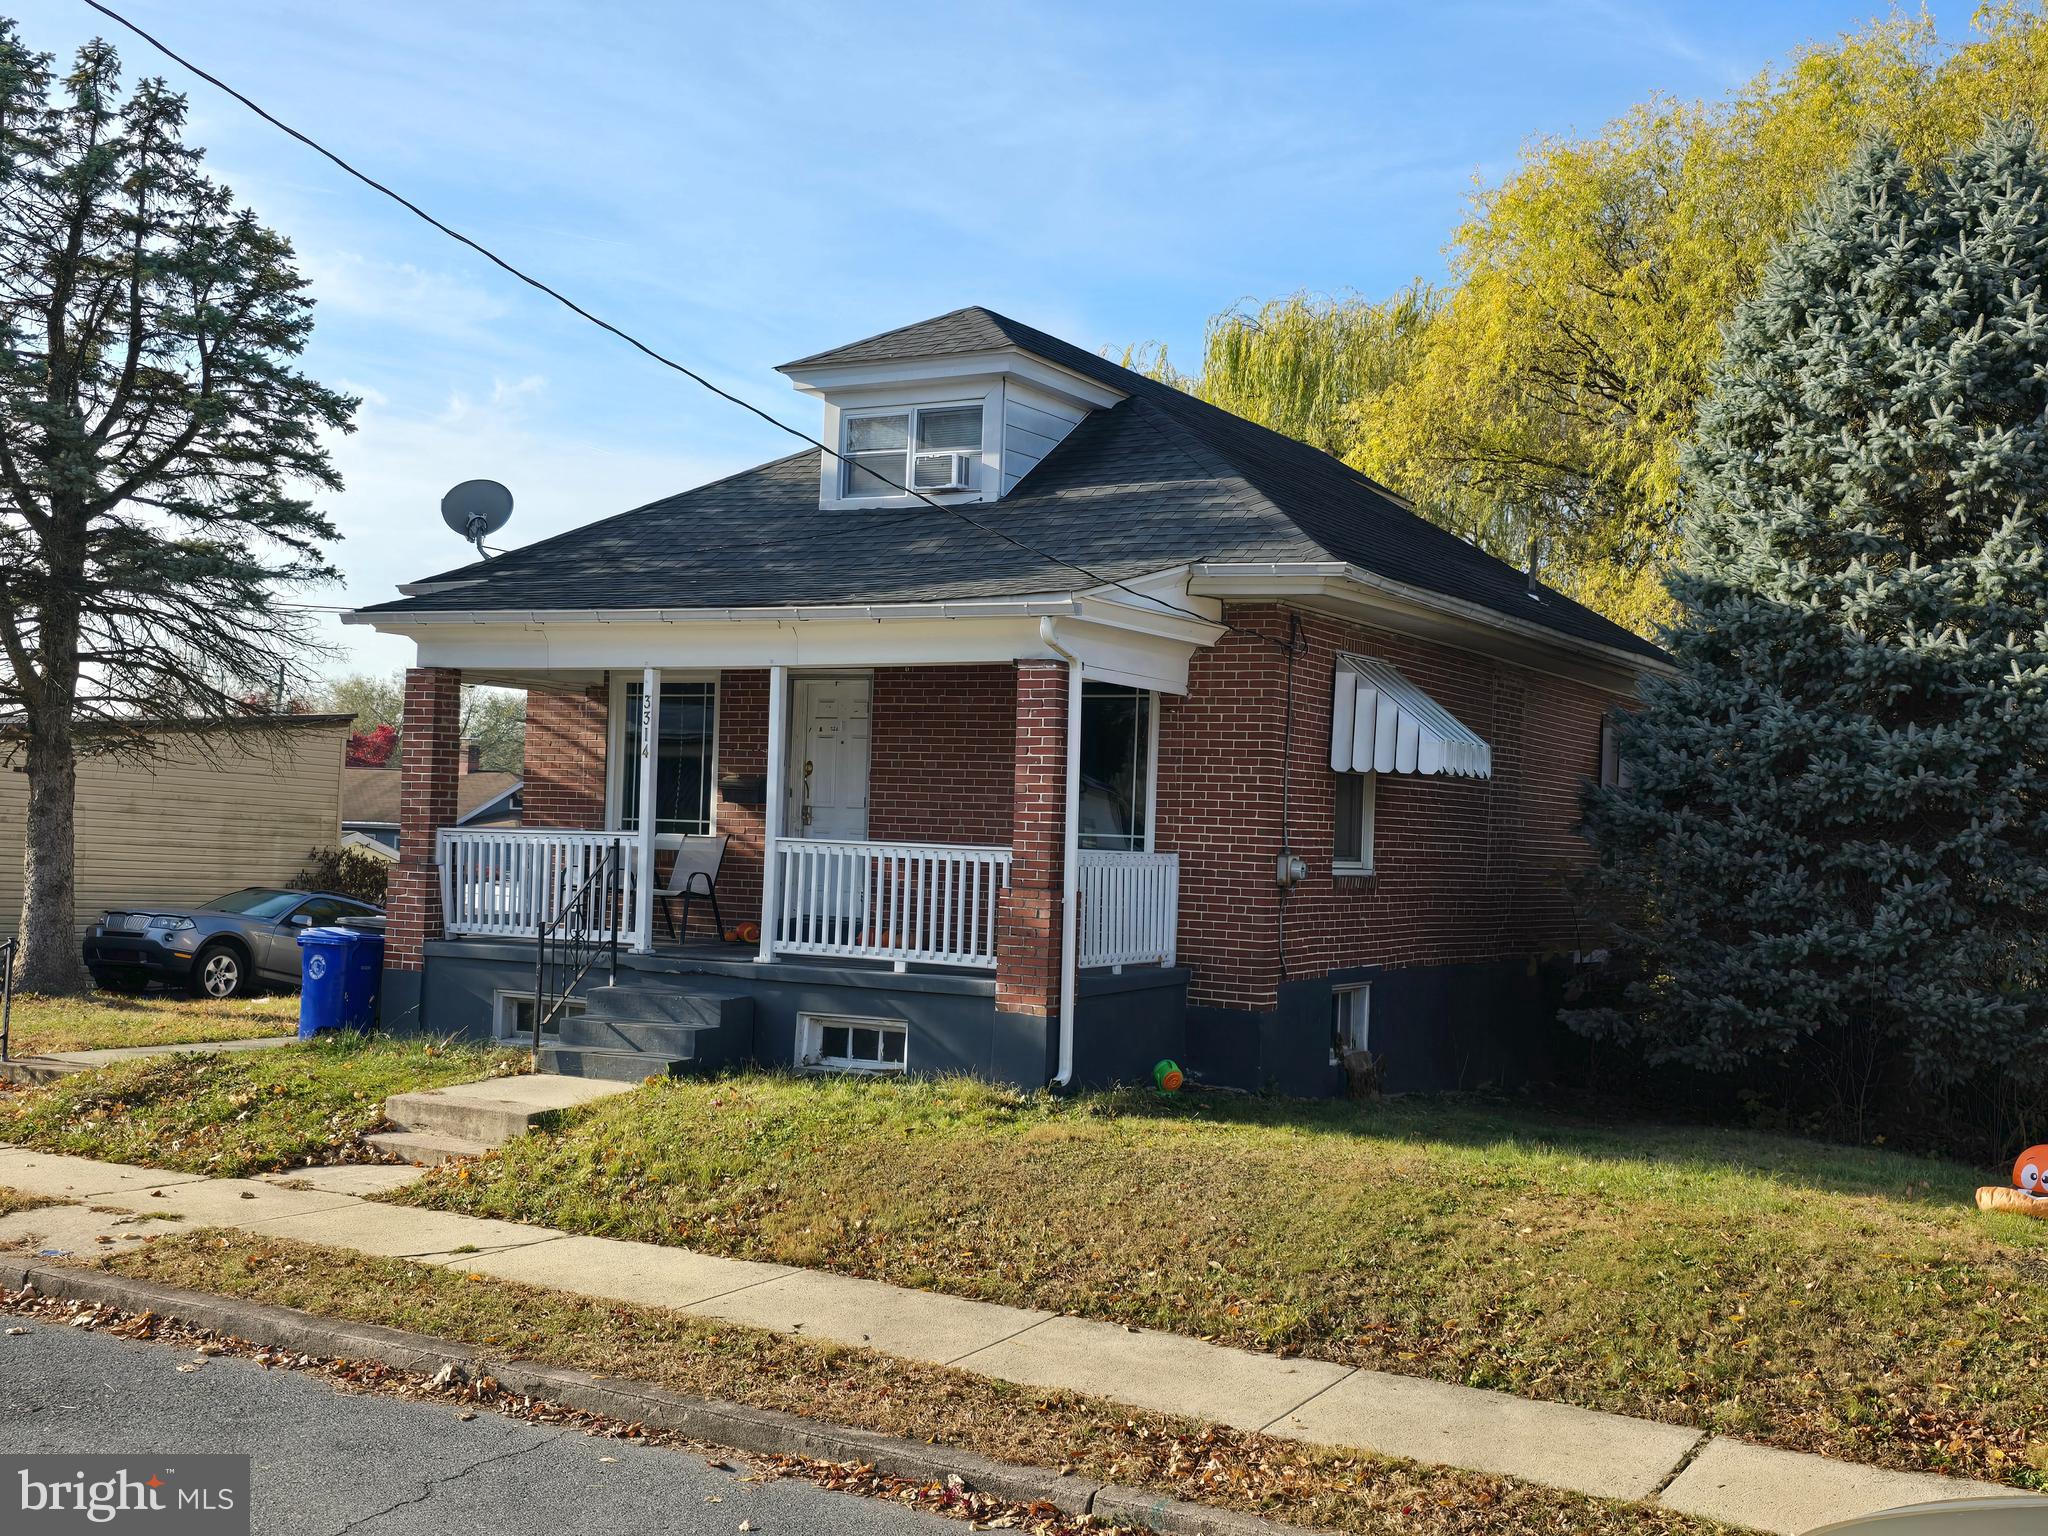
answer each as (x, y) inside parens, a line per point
(1849, 1302)
(239, 1112)
(1179, 1457)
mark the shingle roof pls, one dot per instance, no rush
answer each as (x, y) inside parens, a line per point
(1158, 480)
(370, 795)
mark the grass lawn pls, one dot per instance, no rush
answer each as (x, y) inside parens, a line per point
(706, 1358)
(12, 1200)
(102, 1019)
(1844, 1301)
(237, 1112)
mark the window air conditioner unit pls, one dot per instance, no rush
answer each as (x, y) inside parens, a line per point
(943, 472)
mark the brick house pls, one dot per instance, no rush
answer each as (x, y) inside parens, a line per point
(1139, 731)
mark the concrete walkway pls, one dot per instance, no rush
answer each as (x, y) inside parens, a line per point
(43, 1068)
(1603, 1454)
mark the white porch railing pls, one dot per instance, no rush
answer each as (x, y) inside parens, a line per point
(1130, 907)
(504, 883)
(912, 903)
(921, 903)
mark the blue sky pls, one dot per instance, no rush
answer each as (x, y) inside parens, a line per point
(744, 184)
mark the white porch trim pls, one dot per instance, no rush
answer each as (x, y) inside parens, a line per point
(775, 797)
(1143, 637)
(1351, 592)
(649, 768)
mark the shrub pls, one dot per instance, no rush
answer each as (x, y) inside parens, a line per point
(345, 871)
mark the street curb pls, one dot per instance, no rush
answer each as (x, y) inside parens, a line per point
(761, 1430)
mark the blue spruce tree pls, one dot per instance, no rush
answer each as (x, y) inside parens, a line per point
(1834, 828)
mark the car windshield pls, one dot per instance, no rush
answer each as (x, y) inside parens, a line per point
(256, 902)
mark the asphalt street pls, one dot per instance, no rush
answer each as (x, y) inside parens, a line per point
(326, 1461)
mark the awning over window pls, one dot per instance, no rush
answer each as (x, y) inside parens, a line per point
(1382, 723)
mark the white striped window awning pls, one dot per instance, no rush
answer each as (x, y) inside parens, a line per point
(1382, 723)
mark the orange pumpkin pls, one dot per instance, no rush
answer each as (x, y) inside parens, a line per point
(2030, 1170)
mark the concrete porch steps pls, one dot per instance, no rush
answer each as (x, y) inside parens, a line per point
(626, 1034)
(437, 1125)
(426, 1148)
(687, 1002)
(625, 1066)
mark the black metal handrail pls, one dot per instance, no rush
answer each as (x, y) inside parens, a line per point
(7, 951)
(576, 937)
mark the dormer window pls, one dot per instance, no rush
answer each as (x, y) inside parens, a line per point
(927, 448)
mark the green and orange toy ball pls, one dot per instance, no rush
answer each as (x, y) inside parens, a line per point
(1167, 1076)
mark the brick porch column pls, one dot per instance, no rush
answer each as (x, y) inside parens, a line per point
(565, 757)
(1028, 932)
(429, 767)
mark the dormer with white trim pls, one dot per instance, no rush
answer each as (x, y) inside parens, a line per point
(964, 424)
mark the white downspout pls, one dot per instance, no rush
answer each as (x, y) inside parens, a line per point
(1070, 861)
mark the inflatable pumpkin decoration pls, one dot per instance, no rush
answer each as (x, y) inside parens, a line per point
(2028, 1192)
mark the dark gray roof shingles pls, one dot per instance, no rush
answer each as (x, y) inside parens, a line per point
(1160, 479)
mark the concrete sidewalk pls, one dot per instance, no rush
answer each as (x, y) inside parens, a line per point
(1604, 1454)
(31, 1070)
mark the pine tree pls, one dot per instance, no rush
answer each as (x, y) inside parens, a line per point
(1835, 826)
(157, 448)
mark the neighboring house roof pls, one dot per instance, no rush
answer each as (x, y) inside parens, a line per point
(1158, 480)
(369, 796)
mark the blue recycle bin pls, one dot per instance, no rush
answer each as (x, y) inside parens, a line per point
(340, 971)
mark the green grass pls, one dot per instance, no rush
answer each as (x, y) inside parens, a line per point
(237, 1112)
(703, 1357)
(1815, 1297)
(100, 1020)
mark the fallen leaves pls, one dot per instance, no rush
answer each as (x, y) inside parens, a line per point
(452, 1383)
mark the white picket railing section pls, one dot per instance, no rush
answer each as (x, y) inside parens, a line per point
(505, 883)
(922, 903)
(912, 903)
(1130, 907)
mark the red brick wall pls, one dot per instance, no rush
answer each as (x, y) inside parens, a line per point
(1027, 928)
(1465, 870)
(565, 747)
(743, 749)
(942, 756)
(429, 764)
(939, 768)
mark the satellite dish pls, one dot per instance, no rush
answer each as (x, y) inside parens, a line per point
(476, 509)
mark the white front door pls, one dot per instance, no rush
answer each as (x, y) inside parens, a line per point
(828, 760)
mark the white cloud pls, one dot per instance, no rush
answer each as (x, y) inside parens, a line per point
(398, 463)
(430, 302)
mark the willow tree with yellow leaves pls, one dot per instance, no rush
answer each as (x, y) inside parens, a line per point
(1543, 392)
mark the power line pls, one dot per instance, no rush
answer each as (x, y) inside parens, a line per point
(633, 341)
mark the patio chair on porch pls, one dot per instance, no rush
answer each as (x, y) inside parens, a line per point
(693, 875)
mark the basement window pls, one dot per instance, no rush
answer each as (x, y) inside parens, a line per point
(834, 1042)
(1350, 1020)
(512, 1016)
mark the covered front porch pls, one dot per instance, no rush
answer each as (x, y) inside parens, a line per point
(960, 827)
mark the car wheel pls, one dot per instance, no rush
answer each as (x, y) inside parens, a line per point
(220, 972)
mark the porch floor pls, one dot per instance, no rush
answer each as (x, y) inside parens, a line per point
(700, 954)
